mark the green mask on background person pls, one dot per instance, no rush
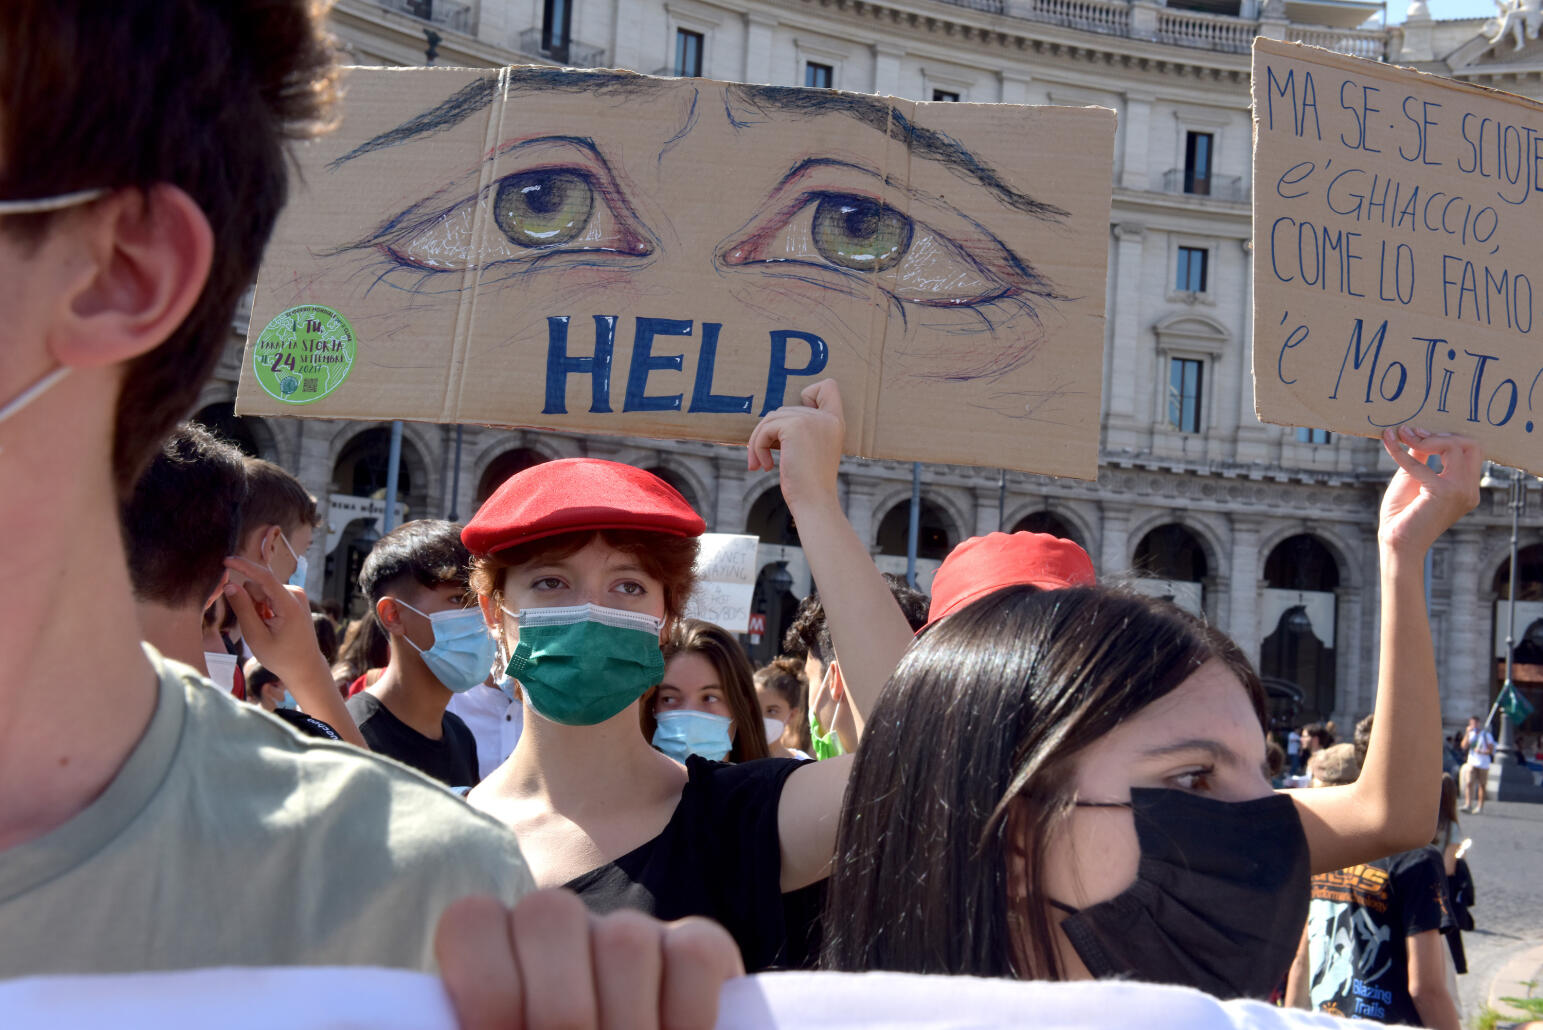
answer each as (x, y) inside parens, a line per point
(582, 664)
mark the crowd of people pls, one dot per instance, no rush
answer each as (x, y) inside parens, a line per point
(523, 768)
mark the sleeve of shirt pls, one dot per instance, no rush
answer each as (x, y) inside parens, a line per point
(1420, 884)
(741, 804)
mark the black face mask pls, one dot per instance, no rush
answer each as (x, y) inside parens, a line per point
(1219, 901)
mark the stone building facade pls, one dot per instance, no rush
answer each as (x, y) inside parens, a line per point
(1270, 532)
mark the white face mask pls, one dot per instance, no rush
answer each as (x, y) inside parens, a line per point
(40, 205)
(774, 728)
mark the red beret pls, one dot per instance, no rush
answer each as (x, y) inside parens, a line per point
(985, 564)
(576, 494)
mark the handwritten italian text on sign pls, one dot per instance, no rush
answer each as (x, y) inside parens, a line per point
(603, 252)
(1398, 230)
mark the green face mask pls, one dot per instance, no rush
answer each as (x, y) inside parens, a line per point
(582, 664)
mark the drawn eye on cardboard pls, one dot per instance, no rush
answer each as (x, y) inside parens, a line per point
(674, 257)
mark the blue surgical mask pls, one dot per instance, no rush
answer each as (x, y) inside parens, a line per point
(289, 701)
(302, 565)
(463, 648)
(683, 733)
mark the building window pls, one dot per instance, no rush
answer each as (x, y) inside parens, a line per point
(1305, 435)
(820, 76)
(948, 95)
(1184, 386)
(1197, 162)
(688, 53)
(556, 28)
(1192, 270)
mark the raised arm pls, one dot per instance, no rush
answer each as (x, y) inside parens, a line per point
(868, 629)
(1392, 806)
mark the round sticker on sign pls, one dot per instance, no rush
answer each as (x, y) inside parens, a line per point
(304, 354)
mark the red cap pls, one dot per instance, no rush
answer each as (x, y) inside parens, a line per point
(575, 494)
(985, 564)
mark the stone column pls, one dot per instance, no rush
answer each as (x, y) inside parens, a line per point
(1114, 555)
(886, 69)
(988, 509)
(1122, 369)
(1465, 673)
(759, 29)
(859, 506)
(1135, 127)
(1243, 613)
(1014, 87)
(729, 507)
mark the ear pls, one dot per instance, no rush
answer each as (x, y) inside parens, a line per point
(268, 544)
(390, 616)
(146, 259)
(492, 614)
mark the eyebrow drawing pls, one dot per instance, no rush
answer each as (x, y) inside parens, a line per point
(824, 237)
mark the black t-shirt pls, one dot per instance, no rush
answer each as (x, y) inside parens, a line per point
(305, 724)
(719, 856)
(1358, 930)
(452, 759)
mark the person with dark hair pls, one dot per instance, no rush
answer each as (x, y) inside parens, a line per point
(1078, 777)
(1371, 948)
(278, 522)
(1459, 876)
(1479, 745)
(265, 690)
(142, 166)
(326, 636)
(180, 516)
(415, 580)
(705, 704)
(179, 524)
(365, 649)
(784, 696)
(582, 568)
(835, 722)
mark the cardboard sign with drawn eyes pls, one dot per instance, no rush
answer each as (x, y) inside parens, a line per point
(598, 251)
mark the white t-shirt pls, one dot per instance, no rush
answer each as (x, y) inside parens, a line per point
(228, 839)
(495, 721)
(1477, 739)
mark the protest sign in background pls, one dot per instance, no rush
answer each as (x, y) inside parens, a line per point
(725, 581)
(1398, 227)
(598, 251)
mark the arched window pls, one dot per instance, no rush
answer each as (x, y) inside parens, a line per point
(504, 466)
(935, 538)
(1047, 522)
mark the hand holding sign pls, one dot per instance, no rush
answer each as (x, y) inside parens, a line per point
(1420, 503)
(809, 438)
(550, 962)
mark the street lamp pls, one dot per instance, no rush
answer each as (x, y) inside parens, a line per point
(1517, 501)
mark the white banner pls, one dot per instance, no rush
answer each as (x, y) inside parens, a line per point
(379, 999)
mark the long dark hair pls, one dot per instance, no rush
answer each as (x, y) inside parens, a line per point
(1446, 814)
(735, 676)
(970, 750)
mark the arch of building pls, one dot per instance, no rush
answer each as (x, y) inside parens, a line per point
(768, 519)
(423, 492)
(1205, 536)
(1024, 517)
(932, 512)
(252, 434)
(500, 466)
(1339, 548)
(958, 522)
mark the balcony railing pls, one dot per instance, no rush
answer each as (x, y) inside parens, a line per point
(1110, 17)
(450, 14)
(1369, 43)
(1177, 27)
(1219, 187)
(574, 55)
(1205, 31)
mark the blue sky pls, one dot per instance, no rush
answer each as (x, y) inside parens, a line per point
(1440, 9)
